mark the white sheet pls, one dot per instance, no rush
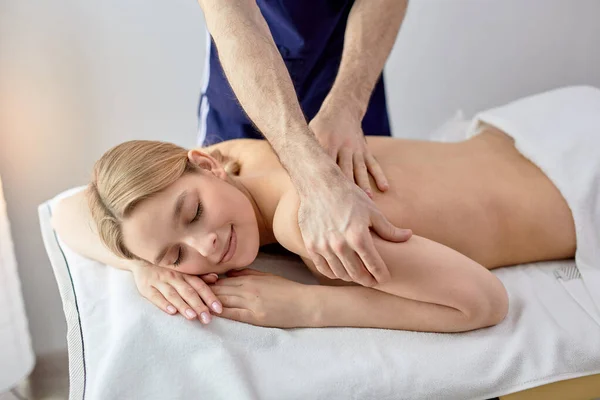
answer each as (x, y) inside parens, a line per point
(123, 347)
(559, 131)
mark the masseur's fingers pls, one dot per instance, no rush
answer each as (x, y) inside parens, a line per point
(156, 298)
(336, 265)
(371, 259)
(204, 291)
(366, 250)
(361, 176)
(376, 172)
(344, 161)
(361, 276)
(321, 264)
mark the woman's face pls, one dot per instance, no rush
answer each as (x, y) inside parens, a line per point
(199, 224)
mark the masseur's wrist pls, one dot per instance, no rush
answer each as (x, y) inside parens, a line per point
(305, 160)
(344, 98)
(317, 174)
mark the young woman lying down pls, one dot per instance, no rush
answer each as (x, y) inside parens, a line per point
(472, 206)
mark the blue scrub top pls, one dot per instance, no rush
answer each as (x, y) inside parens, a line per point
(310, 37)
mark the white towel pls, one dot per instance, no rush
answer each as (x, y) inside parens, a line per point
(123, 347)
(559, 131)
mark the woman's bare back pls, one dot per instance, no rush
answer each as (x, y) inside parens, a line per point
(480, 197)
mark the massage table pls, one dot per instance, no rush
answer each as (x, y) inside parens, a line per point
(548, 346)
(122, 347)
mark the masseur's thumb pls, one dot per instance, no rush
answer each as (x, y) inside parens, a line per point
(387, 231)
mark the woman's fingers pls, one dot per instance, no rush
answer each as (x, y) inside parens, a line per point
(233, 301)
(206, 294)
(156, 298)
(246, 271)
(210, 278)
(185, 298)
(172, 296)
(239, 314)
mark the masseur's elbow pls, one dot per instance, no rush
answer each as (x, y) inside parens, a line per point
(488, 305)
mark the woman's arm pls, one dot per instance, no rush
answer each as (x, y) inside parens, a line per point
(169, 290)
(73, 221)
(432, 287)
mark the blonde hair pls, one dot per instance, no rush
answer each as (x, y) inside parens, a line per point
(130, 173)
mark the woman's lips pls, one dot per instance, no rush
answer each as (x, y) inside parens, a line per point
(231, 246)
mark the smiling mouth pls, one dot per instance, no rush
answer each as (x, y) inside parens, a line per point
(230, 248)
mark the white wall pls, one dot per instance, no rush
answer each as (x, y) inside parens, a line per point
(475, 54)
(78, 77)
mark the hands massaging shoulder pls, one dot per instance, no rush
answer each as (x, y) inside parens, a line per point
(472, 206)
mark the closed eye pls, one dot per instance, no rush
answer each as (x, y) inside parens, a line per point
(198, 213)
(179, 258)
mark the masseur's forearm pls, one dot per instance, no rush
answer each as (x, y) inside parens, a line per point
(73, 221)
(262, 85)
(358, 306)
(370, 35)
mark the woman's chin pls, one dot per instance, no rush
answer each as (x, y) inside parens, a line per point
(241, 261)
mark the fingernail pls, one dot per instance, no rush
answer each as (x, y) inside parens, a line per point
(190, 313)
(205, 318)
(215, 275)
(171, 309)
(369, 193)
(217, 307)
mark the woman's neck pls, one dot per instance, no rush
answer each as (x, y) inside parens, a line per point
(264, 192)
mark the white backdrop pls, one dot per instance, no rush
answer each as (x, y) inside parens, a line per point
(77, 77)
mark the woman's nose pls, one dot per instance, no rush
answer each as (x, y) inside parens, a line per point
(204, 244)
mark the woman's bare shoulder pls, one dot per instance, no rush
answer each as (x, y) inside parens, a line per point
(285, 223)
(227, 146)
(252, 155)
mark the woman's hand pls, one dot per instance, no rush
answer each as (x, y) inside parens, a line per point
(263, 299)
(173, 291)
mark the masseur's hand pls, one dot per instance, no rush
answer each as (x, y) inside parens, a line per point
(263, 299)
(334, 218)
(173, 291)
(340, 133)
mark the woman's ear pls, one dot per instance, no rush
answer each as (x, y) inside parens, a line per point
(199, 159)
(207, 162)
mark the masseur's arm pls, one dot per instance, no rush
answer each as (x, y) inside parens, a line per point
(334, 214)
(370, 35)
(73, 221)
